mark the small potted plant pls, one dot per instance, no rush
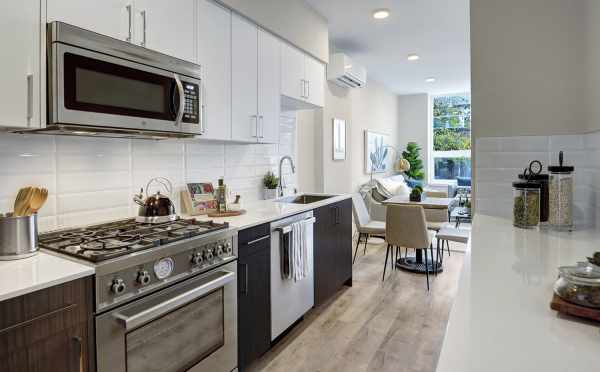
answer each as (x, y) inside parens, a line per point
(415, 194)
(270, 182)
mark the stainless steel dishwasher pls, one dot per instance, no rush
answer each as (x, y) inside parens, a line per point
(290, 299)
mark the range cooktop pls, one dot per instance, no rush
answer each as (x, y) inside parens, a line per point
(102, 242)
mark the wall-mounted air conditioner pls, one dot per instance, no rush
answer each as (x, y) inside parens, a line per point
(344, 72)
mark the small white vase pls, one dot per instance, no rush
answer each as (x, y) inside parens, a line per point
(269, 194)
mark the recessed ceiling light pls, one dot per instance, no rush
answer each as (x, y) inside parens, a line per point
(413, 57)
(381, 13)
(430, 80)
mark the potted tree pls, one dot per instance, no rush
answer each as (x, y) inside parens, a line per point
(415, 194)
(270, 183)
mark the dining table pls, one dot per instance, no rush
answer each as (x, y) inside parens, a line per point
(431, 205)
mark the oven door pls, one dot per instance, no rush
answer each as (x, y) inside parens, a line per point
(98, 90)
(191, 326)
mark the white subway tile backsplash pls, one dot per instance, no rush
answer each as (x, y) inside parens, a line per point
(500, 160)
(565, 143)
(92, 180)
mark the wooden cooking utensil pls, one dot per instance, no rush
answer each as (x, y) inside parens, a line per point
(37, 201)
(21, 201)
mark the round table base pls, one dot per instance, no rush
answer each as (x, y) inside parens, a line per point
(411, 264)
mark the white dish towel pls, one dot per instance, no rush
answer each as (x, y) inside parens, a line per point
(299, 251)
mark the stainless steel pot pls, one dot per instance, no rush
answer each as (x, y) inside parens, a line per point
(18, 237)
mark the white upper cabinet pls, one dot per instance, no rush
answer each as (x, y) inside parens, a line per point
(269, 85)
(302, 79)
(293, 72)
(315, 82)
(167, 26)
(20, 35)
(214, 55)
(244, 75)
(113, 18)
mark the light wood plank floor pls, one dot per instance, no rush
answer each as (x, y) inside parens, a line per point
(395, 326)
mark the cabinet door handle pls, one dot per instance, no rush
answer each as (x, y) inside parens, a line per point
(29, 96)
(245, 287)
(129, 20)
(258, 240)
(307, 88)
(143, 14)
(77, 358)
(261, 125)
(254, 120)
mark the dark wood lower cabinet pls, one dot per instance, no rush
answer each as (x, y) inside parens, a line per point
(332, 249)
(254, 294)
(49, 330)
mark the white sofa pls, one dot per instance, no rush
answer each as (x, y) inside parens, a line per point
(387, 187)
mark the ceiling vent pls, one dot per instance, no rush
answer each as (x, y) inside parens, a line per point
(344, 72)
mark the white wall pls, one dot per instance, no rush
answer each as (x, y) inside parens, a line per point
(526, 67)
(592, 67)
(93, 179)
(413, 124)
(373, 108)
(292, 20)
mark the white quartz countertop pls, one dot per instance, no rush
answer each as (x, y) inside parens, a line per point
(501, 319)
(41, 271)
(271, 210)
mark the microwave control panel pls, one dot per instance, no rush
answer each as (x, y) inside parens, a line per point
(192, 103)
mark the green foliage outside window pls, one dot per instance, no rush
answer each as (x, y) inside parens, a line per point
(451, 123)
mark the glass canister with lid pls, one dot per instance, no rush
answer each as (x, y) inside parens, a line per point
(560, 206)
(534, 173)
(579, 284)
(526, 204)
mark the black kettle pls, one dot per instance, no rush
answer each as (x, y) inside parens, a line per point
(156, 208)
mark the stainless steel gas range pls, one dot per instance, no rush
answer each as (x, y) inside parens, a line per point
(165, 294)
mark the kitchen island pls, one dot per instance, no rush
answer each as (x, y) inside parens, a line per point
(501, 320)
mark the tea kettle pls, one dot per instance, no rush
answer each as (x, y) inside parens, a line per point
(156, 208)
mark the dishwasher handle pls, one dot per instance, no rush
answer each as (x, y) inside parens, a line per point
(288, 228)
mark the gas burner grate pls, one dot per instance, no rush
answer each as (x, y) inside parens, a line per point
(105, 241)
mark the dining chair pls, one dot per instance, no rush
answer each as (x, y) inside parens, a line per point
(365, 226)
(406, 227)
(450, 234)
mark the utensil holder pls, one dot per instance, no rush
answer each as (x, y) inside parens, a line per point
(18, 237)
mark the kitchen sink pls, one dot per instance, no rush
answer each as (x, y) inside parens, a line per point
(304, 198)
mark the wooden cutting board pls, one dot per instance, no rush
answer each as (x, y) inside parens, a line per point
(227, 214)
(565, 307)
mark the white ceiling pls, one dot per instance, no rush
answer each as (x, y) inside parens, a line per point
(436, 30)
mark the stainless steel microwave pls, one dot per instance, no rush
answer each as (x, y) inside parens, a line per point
(101, 86)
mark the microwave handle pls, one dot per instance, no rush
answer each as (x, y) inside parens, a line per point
(181, 99)
(129, 322)
(202, 107)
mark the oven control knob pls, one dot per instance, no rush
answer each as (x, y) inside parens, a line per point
(197, 258)
(208, 255)
(143, 277)
(118, 286)
(228, 247)
(220, 250)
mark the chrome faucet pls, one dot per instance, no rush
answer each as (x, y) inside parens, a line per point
(281, 187)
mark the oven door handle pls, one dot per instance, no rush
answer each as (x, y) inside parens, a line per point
(131, 321)
(181, 99)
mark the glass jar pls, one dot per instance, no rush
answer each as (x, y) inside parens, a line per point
(560, 206)
(526, 204)
(579, 284)
(543, 180)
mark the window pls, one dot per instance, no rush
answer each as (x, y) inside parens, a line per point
(450, 149)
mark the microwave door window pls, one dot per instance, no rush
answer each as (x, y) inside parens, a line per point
(98, 86)
(103, 89)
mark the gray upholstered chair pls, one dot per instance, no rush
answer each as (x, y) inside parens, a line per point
(365, 226)
(406, 227)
